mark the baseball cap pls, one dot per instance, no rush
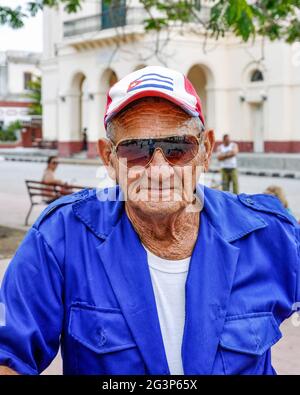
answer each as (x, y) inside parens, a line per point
(154, 81)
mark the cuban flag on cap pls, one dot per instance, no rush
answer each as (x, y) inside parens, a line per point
(153, 81)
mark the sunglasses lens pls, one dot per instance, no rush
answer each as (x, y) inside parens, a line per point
(178, 150)
(135, 152)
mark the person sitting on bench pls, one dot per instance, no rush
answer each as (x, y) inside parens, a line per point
(49, 178)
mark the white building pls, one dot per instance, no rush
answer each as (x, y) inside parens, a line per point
(17, 69)
(255, 101)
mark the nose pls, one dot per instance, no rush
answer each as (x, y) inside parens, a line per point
(158, 158)
(160, 171)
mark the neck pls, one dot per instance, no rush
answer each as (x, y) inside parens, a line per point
(167, 236)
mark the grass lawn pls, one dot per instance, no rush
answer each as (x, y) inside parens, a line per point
(9, 241)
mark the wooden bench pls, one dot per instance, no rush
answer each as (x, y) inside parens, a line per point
(43, 193)
(40, 143)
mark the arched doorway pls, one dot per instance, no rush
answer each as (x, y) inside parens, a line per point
(256, 81)
(202, 79)
(108, 79)
(80, 110)
(93, 107)
(73, 111)
(84, 114)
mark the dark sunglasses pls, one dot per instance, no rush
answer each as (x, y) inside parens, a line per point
(177, 150)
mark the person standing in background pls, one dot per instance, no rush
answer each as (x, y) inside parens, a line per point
(227, 152)
(84, 140)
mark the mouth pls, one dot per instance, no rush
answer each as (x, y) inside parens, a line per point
(161, 193)
(160, 189)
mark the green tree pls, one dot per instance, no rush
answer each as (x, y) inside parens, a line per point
(275, 19)
(35, 94)
(10, 132)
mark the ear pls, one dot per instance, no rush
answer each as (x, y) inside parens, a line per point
(105, 153)
(209, 143)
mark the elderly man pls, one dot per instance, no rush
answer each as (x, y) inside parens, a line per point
(157, 275)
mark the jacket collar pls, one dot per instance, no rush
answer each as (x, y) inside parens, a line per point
(102, 210)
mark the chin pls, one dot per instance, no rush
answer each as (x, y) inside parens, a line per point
(161, 208)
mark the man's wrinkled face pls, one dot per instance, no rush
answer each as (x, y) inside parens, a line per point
(159, 187)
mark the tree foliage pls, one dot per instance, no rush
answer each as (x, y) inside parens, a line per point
(35, 94)
(275, 19)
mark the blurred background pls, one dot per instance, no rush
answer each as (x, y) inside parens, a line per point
(57, 64)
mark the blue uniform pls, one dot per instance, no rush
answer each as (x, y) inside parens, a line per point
(80, 279)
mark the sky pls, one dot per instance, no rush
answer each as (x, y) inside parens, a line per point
(28, 38)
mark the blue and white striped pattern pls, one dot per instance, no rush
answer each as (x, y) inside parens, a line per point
(151, 80)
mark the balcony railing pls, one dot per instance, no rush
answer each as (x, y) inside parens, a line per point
(114, 17)
(82, 25)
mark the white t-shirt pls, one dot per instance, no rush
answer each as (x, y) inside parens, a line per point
(229, 163)
(168, 281)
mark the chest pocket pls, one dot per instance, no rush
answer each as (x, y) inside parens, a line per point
(103, 342)
(245, 340)
(100, 330)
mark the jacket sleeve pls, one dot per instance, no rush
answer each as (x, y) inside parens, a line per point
(31, 307)
(297, 298)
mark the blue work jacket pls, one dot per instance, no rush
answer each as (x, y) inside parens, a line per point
(80, 279)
